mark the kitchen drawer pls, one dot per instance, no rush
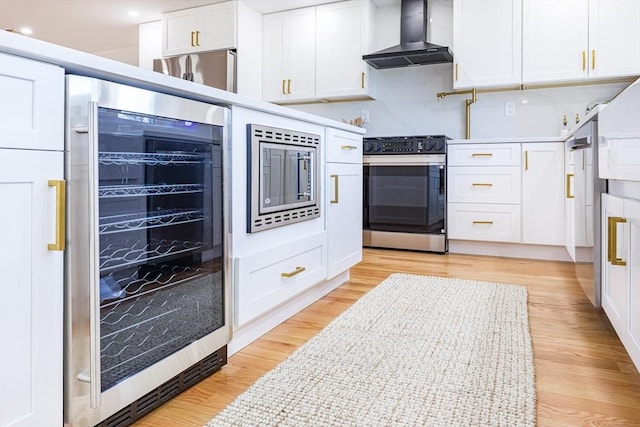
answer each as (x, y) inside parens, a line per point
(500, 184)
(343, 147)
(484, 154)
(486, 222)
(260, 281)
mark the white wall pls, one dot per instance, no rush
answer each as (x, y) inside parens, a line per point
(406, 102)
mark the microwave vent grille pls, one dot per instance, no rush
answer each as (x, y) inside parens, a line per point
(284, 136)
(278, 219)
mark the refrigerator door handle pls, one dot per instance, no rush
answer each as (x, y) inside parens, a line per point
(94, 260)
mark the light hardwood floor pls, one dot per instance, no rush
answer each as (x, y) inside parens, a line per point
(584, 377)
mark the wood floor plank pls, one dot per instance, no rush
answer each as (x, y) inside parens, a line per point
(584, 377)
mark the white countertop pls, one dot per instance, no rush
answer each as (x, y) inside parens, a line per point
(76, 62)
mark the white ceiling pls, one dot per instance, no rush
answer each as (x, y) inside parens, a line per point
(101, 25)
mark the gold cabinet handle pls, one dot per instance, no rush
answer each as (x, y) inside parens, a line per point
(193, 37)
(483, 222)
(482, 155)
(284, 87)
(456, 72)
(362, 76)
(298, 270)
(584, 60)
(289, 86)
(593, 59)
(349, 147)
(335, 189)
(568, 185)
(61, 196)
(482, 184)
(613, 240)
(526, 160)
(197, 38)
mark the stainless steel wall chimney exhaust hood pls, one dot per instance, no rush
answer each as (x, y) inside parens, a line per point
(413, 48)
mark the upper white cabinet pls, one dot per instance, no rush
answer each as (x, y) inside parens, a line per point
(289, 55)
(343, 32)
(199, 29)
(567, 40)
(471, 42)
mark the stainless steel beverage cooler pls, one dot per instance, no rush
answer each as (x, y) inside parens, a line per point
(147, 297)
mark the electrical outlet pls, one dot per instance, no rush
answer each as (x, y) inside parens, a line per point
(509, 108)
(365, 116)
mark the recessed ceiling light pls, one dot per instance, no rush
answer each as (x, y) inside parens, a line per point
(26, 31)
(134, 13)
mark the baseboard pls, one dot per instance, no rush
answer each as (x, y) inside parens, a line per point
(509, 250)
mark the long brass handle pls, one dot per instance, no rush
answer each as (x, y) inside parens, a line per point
(298, 270)
(289, 86)
(197, 38)
(593, 59)
(613, 238)
(584, 60)
(481, 184)
(362, 76)
(61, 196)
(349, 147)
(568, 185)
(335, 189)
(609, 249)
(456, 72)
(482, 155)
(193, 43)
(284, 87)
(526, 160)
(483, 222)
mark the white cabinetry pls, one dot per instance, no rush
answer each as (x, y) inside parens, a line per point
(621, 269)
(575, 39)
(343, 204)
(506, 192)
(31, 258)
(471, 40)
(343, 33)
(289, 55)
(199, 29)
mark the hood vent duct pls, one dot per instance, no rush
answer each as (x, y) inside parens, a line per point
(413, 48)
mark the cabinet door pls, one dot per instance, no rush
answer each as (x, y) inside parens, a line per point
(274, 84)
(216, 24)
(632, 343)
(614, 38)
(542, 193)
(33, 116)
(344, 216)
(570, 209)
(31, 282)
(615, 270)
(342, 37)
(554, 40)
(471, 41)
(179, 32)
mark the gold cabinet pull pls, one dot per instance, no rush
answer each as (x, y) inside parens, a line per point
(284, 87)
(456, 72)
(362, 76)
(298, 270)
(613, 240)
(584, 60)
(349, 147)
(289, 86)
(193, 39)
(483, 222)
(593, 59)
(482, 184)
(335, 189)
(482, 155)
(609, 249)
(197, 38)
(526, 160)
(568, 185)
(61, 196)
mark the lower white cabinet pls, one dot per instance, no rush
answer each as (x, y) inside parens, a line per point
(484, 222)
(621, 269)
(343, 202)
(268, 278)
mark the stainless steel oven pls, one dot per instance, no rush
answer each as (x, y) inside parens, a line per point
(405, 193)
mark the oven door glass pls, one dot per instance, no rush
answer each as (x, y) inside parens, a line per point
(404, 198)
(160, 236)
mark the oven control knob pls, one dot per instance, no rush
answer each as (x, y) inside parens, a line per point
(367, 147)
(377, 147)
(439, 146)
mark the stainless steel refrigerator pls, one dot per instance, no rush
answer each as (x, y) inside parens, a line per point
(215, 68)
(147, 294)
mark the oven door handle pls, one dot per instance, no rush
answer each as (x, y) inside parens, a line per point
(405, 160)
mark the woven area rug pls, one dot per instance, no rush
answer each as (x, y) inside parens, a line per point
(414, 351)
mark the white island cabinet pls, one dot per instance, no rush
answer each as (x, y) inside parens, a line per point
(31, 242)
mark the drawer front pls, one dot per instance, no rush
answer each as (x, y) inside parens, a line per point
(484, 154)
(500, 184)
(266, 279)
(491, 223)
(343, 147)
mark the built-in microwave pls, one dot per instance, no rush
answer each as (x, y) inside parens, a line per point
(284, 177)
